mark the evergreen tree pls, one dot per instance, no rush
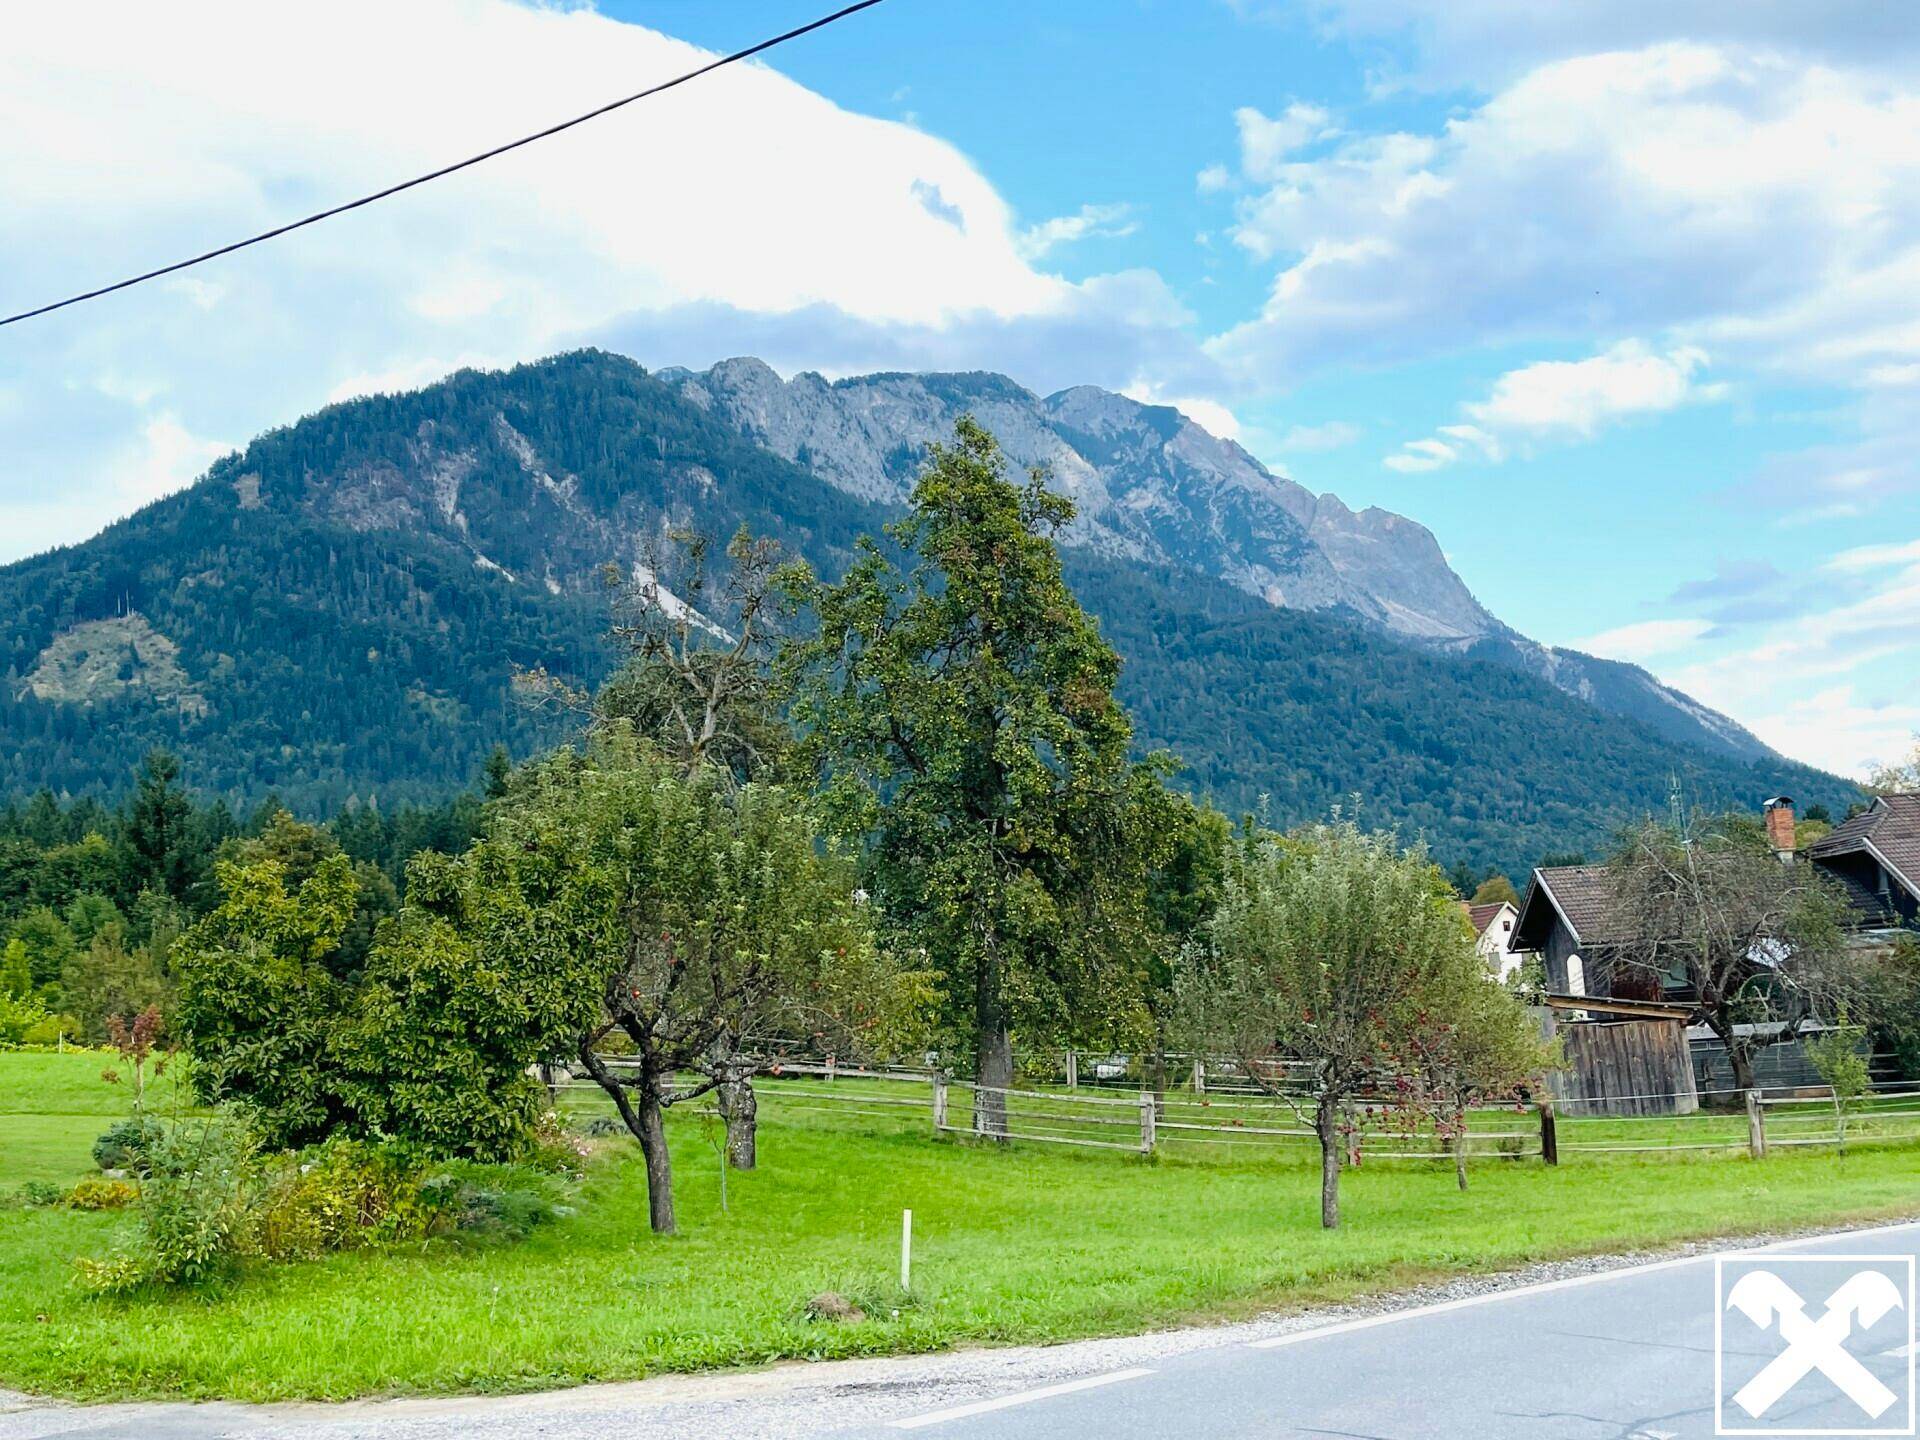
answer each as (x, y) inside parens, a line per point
(964, 716)
(156, 830)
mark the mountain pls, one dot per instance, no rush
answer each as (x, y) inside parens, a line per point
(1154, 486)
(340, 610)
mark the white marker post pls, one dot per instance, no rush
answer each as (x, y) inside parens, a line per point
(906, 1250)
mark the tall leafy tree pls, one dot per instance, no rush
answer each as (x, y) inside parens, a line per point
(699, 639)
(259, 1004)
(962, 710)
(676, 910)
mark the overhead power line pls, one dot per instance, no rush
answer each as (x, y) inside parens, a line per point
(469, 162)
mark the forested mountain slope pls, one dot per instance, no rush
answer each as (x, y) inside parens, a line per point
(340, 609)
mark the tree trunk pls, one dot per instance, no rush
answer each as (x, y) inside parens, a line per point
(993, 1046)
(993, 1074)
(1741, 1058)
(1460, 1158)
(652, 1133)
(1325, 1125)
(645, 1118)
(737, 1103)
(734, 1096)
(1157, 1074)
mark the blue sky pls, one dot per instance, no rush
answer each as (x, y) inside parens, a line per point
(1621, 299)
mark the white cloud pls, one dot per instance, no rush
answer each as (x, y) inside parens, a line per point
(1333, 435)
(1479, 42)
(1487, 444)
(1209, 415)
(1266, 142)
(1642, 641)
(1709, 196)
(1417, 456)
(1833, 687)
(1834, 728)
(1213, 179)
(165, 458)
(746, 194)
(1090, 221)
(1579, 396)
(1564, 399)
(1876, 557)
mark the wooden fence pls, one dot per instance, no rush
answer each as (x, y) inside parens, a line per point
(1194, 1121)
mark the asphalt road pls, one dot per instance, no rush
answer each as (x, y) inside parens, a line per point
(1622, 1356)
(1625, 1354)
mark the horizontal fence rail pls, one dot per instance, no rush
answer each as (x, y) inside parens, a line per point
(1197, 1117)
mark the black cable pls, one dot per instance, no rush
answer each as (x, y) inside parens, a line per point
(320, 215)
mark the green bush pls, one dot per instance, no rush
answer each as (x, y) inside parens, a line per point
(487, 1201)
(337, 1196)
(211, 1199)
(124, 1144)
(48, 1034)
(194, 1207)
(20, 1015)
(96, 1192)
(32, 1195)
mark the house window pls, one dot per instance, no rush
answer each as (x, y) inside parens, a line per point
(1576, 976)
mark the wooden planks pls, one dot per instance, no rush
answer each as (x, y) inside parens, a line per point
(1633, 1067)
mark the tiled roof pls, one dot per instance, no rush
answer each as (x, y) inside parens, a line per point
(1891, 825)
(1870, 909)
(1585, 895)
(1483, 915)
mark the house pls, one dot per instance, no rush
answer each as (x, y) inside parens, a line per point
(1875, 856)
(1569, 916)
(1493, 924)
(1568, 912)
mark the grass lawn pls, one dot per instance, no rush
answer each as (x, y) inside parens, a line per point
(53, 1106)
(1026, 1244)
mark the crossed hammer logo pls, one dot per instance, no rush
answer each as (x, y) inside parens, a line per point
(1767, 1300)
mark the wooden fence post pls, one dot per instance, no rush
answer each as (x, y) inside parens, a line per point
(1756, 1126)
(939, 1103)
(1199, 1075)
(1146, 1122)
(1073, 1069)
(829, 1069)
(1549, 1131)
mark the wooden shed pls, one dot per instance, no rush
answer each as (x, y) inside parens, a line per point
(1623, 1057)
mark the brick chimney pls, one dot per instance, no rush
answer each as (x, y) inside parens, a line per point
(1780, 826)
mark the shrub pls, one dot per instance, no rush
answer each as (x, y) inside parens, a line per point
(96, 1192)
(48, 1034)
(487, 1201)
(32, 1195)
(337, 1196)
(212, 1199)
(19, 1014)
(193, 1210)
(124, 1145)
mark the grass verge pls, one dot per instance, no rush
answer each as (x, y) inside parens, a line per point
(1016, 1245)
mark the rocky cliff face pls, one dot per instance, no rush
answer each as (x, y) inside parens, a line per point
(1152, 485)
